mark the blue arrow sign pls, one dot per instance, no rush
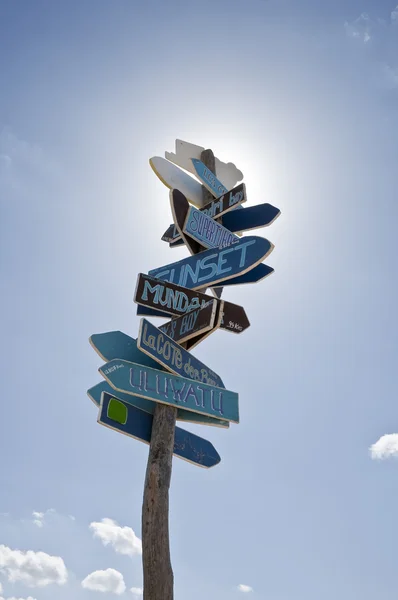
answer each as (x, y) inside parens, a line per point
(254, 276)
(116, 344)
(214, 209)
(245, 219)
(215, 265)
(148, 406)
(208, 178)
(207, 231)
(137, 424)
(167, 388)
(172, 356)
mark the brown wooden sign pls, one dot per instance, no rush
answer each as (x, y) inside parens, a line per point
(180, 209)
(158, 298)
(192, 323)
(215, 209)
(189, 344)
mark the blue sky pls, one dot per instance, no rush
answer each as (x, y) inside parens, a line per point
(302, 97)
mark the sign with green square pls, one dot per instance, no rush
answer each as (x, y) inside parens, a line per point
(117, 411)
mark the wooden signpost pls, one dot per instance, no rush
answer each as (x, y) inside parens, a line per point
(166, 388)
(157, 298)
(152, 381)
(135, 423)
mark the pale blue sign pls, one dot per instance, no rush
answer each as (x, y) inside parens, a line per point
(215, 265)
(208, 178)
(116, 344)
(135, 423)
(170, 389)
(95, 392)
(172, 356)
(207, 231)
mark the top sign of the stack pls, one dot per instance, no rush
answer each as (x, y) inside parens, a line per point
(228, 173)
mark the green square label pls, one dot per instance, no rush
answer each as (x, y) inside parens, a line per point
(117, 411)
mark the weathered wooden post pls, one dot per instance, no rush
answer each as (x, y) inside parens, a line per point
(158, 572)
(151, 382)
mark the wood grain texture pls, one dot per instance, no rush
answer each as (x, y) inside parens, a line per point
(156, 561)
(158, 572)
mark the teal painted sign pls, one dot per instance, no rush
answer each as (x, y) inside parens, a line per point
(207, 231)
(208, 178)
(170, 389)
(246, 219)
(94, 393)
(115, 344)
(255, 275)
(172, 356)
(212, 266)
(214, 209)
(135, 423)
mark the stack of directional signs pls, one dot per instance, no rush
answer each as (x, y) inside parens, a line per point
(159, 366)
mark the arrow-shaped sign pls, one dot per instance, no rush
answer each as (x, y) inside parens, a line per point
(246, 219)
(162, 298)
(208, 178)
(216, 265)
(172, 356)
(204, 229)
(94, 393)
(170, 389)
(135, 423)
(180, 208)
(191, 324)
(215, 209)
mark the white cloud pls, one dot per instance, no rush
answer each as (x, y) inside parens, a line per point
(244, 588)
(137, 591)
(48, 516)
(14, 598)
(22, 162)
(34, 569)
(385, 447)
(361, 28)
(122, 539)
(38, 518)
(380, 36)
(109, 580)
